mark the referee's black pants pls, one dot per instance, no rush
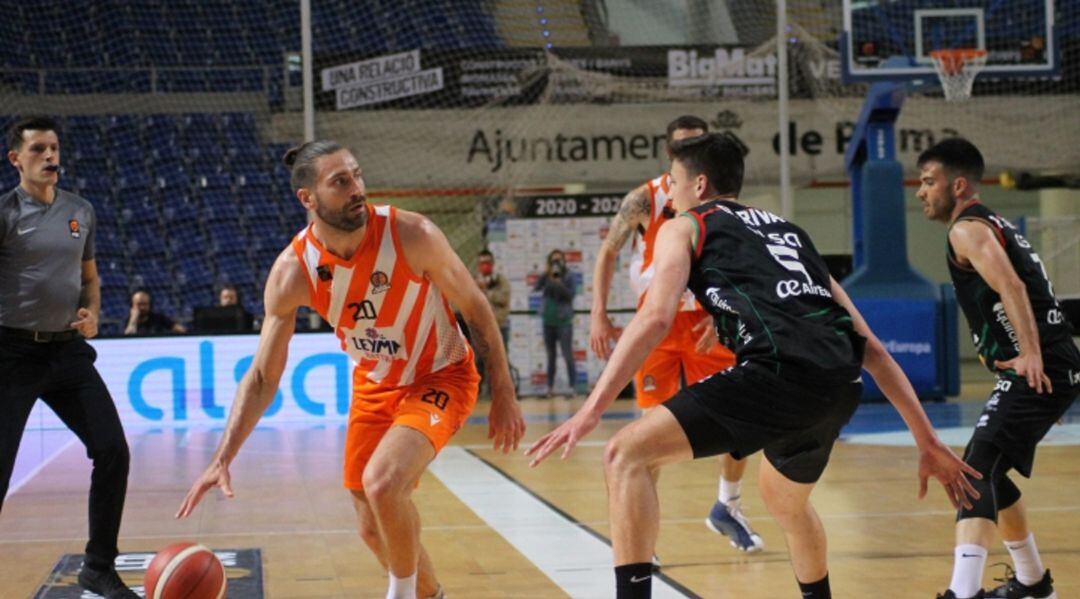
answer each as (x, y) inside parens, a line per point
(62, 374)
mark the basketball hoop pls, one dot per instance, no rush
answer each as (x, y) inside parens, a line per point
(957, 68)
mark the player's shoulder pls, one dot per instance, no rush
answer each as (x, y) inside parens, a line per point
(9, 201)
(288, 278)
(11, 195)
(413, 226)
(73, 204)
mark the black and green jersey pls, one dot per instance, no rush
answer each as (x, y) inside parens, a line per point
(769, 292)
(994, 336)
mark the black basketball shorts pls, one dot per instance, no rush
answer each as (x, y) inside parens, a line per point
(1015, 417)
(747, 408)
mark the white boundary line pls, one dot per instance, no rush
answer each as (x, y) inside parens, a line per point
(579, 563)
(41, 465)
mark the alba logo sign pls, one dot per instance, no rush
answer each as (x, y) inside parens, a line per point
(191, 379)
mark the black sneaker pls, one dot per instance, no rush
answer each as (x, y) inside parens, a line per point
(106, 583)
(1014, 589)
(951, 595)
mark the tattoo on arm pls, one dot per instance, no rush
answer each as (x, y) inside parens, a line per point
(479, 343)
(633, 213)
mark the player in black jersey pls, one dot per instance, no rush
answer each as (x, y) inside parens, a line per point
(799, 346)
(1022, 336)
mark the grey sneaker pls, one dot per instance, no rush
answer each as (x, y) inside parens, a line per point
(728, 520)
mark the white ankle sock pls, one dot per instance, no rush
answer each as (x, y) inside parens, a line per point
(1026, 560)
(967, 570)
(729, 490)
(402, 588)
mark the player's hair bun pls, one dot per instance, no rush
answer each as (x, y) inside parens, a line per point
(289, 159)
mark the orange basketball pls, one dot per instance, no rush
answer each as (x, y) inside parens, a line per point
(185, 570)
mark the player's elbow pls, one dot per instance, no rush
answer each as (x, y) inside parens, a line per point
(875, 356)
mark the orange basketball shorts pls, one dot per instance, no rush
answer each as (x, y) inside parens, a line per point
(436, 406)
(658, 378)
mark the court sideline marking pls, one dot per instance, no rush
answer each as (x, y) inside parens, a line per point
(573, 556)
(18, 484)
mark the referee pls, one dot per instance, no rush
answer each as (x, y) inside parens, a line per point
(49, 303)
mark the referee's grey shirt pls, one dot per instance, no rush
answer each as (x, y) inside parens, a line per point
(42, 248)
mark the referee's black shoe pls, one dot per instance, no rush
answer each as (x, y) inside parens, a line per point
(951, 595)
(106, 583)
(1014, 589)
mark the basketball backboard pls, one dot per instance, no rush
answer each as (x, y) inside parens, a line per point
(892, 39)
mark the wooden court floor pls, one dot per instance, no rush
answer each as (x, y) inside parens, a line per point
(883, 542)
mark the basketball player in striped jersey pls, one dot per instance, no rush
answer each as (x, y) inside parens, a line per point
(691, 343)
(385, 280)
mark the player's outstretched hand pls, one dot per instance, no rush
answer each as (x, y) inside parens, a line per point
(1031, 368)
(215, 475)
(506, 426)
(938, 461)
(601, 335)
(568, 434)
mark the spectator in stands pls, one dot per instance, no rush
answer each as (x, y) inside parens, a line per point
(229, 316)
(557, 313)
(143, 320)
(497, 291)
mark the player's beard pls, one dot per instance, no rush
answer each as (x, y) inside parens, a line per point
(944, 210)
(341, 219)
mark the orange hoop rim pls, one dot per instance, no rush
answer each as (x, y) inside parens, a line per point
(952, 60)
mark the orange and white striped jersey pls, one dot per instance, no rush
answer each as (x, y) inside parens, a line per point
(641, 265)
(395, 324)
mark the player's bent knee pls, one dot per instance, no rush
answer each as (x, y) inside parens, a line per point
(113, 455)
(989, 461)
(380, 487)
(620, 455)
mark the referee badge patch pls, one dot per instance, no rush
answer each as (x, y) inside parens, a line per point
(73, 225)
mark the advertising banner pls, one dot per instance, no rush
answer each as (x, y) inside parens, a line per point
(193, 379)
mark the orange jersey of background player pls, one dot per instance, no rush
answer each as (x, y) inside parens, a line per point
(413, 366)
(658, 378)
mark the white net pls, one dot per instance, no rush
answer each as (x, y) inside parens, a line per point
(164, 111)
(175, 115)
(957, 69)
(1057, 239)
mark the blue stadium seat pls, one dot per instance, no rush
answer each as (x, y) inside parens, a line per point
(171, 178)
(194, 271)
(201, 294)
(235, 269)
(112, 274)
(183, 81)
(219, 207)
(145, 240)
(152, 272)
(107, 240)
(132, 178)
(212, 181)
(139, 210)
(187, 241)
(254, 180)
(93, 184)
(178, 210)
(226, 237)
